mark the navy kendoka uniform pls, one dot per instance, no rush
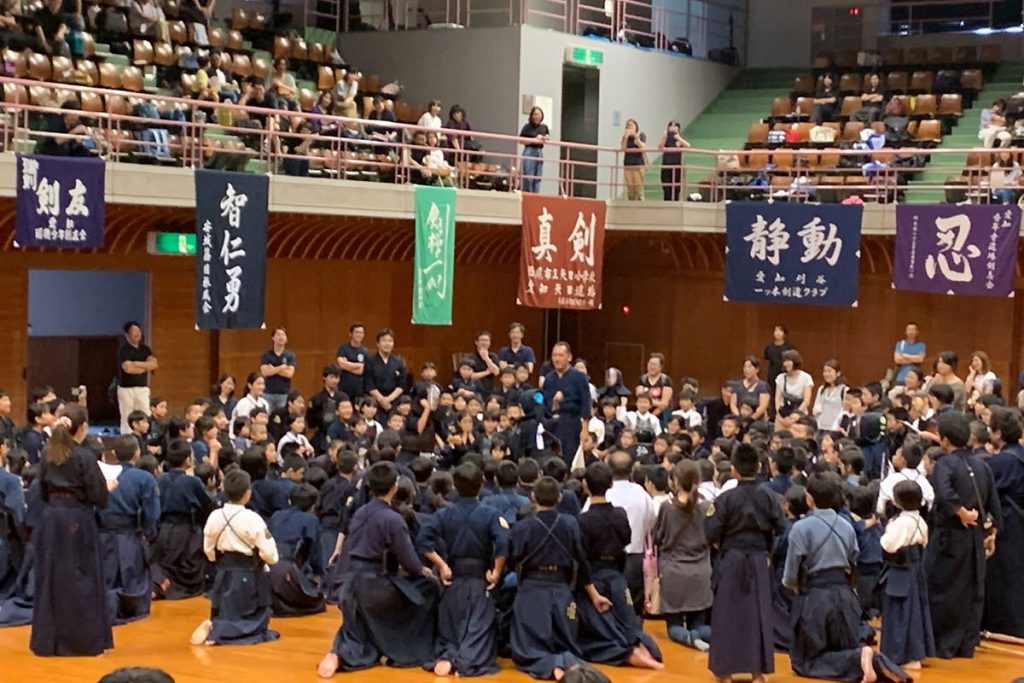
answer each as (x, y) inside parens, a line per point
(270, 495)
(383, 614)
(743, 523)
(132, 512)
(16, 610)
(1004, 580)
(300, 565)
(12, 514)
(609, 637)
(469, 536)
(178, 564)
(548, 556)
(571, 411)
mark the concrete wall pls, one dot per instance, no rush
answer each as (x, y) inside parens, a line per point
(779, 31)
(651, 87)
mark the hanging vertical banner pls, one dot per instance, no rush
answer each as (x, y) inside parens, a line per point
(434, 275)
(790, 253)
(562, 254)
(952, 249)
(231, 256)
(60, 202)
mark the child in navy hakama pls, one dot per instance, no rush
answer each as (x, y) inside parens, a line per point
(296, 576)
(906, 619)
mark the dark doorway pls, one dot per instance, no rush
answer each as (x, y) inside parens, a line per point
(581, 89)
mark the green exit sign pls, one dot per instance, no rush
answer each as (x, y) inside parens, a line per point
(172, 243)
(584, 56)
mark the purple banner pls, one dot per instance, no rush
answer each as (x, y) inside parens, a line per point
(949, 249)
(59, 202)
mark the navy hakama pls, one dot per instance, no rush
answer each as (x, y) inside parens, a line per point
(69, 616)
(955, 567)
(610, 637)
(178, 558)
(545, 626)
(384, 615)
(826, 632)
(16, 610)
(296, 594)
(467, 622)
(126, 576)
(906, 620)
(1004, 574)
(241, 601)
(742, 613)
(12, 550)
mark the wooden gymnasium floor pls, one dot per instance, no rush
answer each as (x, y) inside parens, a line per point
(162, 641)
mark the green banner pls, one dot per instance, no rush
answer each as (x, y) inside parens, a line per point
(433, 277)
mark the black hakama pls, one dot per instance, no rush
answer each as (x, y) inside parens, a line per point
(240, 602)
(955, 567)
(178, 558)
(906, 620)
(126, 576)
(467, 622)
(384, 615)
(742, 626)
(17, 609)
(545, 626)
(826, 633)
(296, 594)
(12, 551)
(69, 616)
(610, 637)
(1004, 575)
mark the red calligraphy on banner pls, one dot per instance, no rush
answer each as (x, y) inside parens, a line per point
(562, 255)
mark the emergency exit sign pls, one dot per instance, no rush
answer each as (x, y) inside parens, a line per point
(171, 243)
(584, 56)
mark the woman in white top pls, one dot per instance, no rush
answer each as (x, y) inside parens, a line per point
(1005, 183)
(828, 403)
(980, 379)
(431, 118)
(793, 386)
(254, 386)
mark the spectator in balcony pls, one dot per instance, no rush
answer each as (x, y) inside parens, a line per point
(71, 12)
(672, 162)
(255, 94)
(201, 85)
(420, 172)
(461, 141)
(281, 84)
(533, 152)
(324, 105)
(443, 173)
(825, 100)
(197, 13)
(146, 18)
(634, 142)
(871, 101)
(67, 123)
(431, 119)
(296, 146)
(1005, 177)
(224, 80)
(9, 28)
(51, 30)
(381, 109)
(993, 125)
(345, 92)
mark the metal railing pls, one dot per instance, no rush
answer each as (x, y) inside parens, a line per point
(933, 16)
(208, 134)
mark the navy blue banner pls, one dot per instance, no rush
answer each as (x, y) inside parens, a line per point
(231, 249)
(787, 253)
(59, 202)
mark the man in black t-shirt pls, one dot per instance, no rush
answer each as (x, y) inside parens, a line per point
(278, 367)
(484, 361)
(135, 361)
(352, 356)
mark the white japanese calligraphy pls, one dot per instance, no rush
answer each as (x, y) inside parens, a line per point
(48, 197)
(820, 245)
(767, 241)
(544, 248)
(233, 286)
(29, 173)
(77, 205)
(582, 240)
(953, 260)
(231, 206)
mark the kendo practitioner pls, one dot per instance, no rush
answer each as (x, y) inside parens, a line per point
(548, 556)
(70, 616)
(567, 399)
(296, 576)
(615, 636)
(131, 515)
(16, 610)
(384, 615)
(240, 543)
(12, 515)
(964, 521)
(743, 523)
(826, 614)
(467, 543)
(1004, 578)
(178, 563)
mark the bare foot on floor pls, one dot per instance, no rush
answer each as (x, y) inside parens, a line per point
(641, 658)
(442, 668)
(558, 673)
(912, 666)
(867, 657)
(201, 633)
(758, 678)
(328, 666)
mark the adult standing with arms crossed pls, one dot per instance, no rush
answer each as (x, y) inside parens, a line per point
(567, 398)
(533, 151)
(135, 361)
(278, 367)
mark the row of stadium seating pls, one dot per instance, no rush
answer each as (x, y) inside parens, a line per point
(939, 55)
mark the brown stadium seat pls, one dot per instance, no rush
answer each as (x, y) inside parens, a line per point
(965, 54)
(239, 19)
(951, 104)
(109, 76)
(803, 85)
(925, 105)
(242, 65)
(235, 41)
(922, 81)
(325, 78)
(163, 54)
(805, 106)
(89, 71)
(850, 105)
(307, 98)
(216, 38)
(757, 135)
(15, 93)
(851, 83)
(131, 79)
(281, 48)
(897, 82)
(299, 49)
(260, 67)
(892, 56)
(91, 101)
(178, 32)
(940, 55)
(117, 105)
(62, 68)
(317, 54)
(781, 107)
(851, 131)
(39, 68)
(990, 54)
(929, 130)
(142, 52)
(916, 56)
(970, 80)
(88, 45)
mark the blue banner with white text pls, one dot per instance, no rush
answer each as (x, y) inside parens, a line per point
(231, 249)
(60, 202)
(788, 253)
